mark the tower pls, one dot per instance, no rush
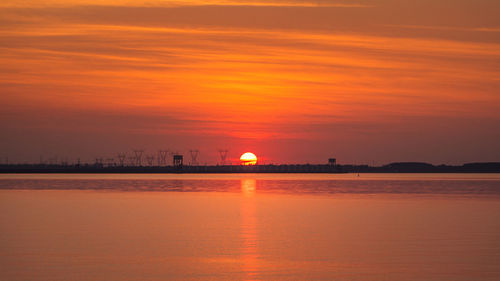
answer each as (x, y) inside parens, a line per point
(194, 156)
(162, 157)
(332, 161)
(121, 159)
(150, 159)
(223, 156)
(178, 160)
(138, 157)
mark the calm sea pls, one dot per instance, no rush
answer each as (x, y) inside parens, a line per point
(250, 227)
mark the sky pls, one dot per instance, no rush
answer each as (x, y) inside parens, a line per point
(368, 81)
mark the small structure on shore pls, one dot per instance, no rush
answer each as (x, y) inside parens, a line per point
(332, 161)
(178, 160)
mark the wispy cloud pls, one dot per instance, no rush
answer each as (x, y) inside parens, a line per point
(180, 3)
(268, 3)
(445, 28)
(224, 68)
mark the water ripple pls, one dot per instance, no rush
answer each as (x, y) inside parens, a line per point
(473, 187)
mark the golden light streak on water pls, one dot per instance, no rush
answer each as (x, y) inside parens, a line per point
(249, 234)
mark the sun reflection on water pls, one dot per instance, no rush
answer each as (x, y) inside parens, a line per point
(249, 235)
(248, 187)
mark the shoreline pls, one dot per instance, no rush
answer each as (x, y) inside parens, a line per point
(404, 167)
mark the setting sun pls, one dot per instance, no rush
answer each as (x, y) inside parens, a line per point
(248, 158)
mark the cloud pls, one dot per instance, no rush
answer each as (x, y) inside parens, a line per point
(181, 3)
(447, 28)
(253, 72)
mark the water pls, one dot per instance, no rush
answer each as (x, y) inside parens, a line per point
(250, 227)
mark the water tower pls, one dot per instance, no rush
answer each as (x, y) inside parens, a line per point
(178, 160)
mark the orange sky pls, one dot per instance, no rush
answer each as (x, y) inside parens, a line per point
(292, 81)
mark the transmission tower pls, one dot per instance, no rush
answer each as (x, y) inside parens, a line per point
(150, 159)
(138, 157)
(223, 155)
(110, 162)
(162, 157)
(121, 158)
(132, 161)
(194, 157)
(98, 162)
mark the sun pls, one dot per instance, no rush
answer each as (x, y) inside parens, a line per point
(248, 158)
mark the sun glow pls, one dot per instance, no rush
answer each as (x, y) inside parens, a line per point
(248, 158)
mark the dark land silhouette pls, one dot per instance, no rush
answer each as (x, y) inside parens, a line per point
(398, 167)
